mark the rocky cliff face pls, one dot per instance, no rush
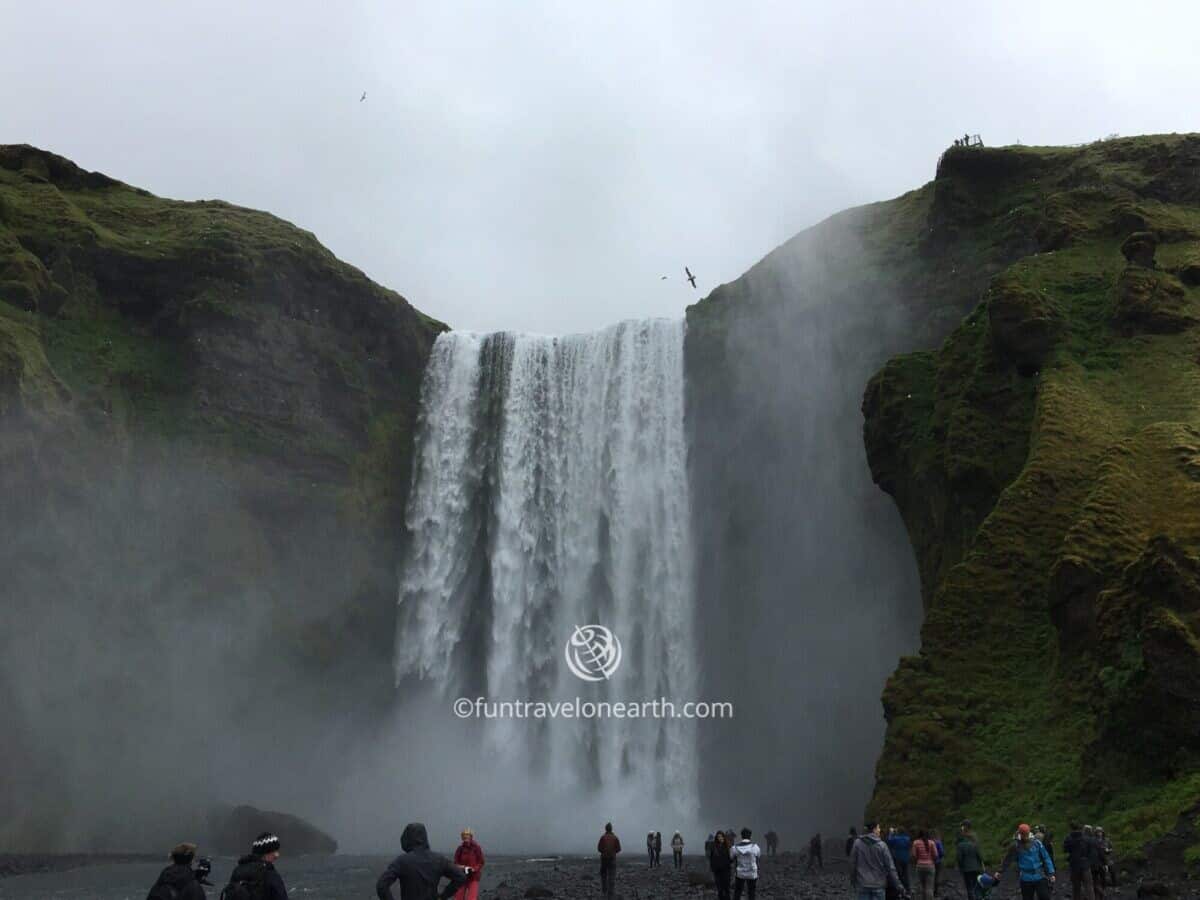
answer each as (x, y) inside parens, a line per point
(205, 428)
(1045, 462)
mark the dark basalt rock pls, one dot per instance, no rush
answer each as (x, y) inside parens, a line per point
(233, 830)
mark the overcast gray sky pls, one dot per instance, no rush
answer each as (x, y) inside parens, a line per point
(539, 166)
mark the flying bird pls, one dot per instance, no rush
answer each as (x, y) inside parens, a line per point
(690, 276)
(363, 97)
(662, 278)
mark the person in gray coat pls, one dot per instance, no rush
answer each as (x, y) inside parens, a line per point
(872, 869)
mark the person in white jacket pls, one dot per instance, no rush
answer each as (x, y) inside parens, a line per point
(745, 855)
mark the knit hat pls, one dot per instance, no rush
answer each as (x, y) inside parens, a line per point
(183, 853)
(265, 843)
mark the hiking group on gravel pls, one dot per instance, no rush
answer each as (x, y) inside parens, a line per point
(879, 867)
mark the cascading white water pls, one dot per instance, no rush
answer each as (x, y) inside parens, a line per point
(550, 491)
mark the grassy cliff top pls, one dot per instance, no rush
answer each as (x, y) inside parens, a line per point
(1046, 461)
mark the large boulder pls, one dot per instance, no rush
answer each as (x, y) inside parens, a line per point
(231, 832)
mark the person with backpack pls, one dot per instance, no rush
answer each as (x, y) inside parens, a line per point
(677, 849)
(1082, 857)
(179, 880)
(924, 855)
(608, 847)
(720, 863)
(657, 849)
(937, 866)
(1034, 864)
(745, 854)
(1108, 859)
(872, 868)
(254, 877)
(419, 869)
(970, 860)
(469, 856)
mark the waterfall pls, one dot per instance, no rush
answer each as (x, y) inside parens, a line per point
(550, 491)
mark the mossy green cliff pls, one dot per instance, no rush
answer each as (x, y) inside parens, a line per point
(1046, 461)
(205, 419)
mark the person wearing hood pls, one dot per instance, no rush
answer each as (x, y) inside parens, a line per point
(469, 856)
(872, 867)
(179, 880)
(970, 860)
(1034, 864)
(720, 863)
(745, 854)
(677, 849)
(255, 872)
(419, 869)
(658, 848)
(608, 847)
(900, 845)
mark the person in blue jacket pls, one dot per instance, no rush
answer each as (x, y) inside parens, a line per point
(1034, 864)
(901, 846)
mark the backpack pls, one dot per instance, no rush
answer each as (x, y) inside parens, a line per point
(250, 886)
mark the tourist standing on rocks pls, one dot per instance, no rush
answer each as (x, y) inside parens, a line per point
(657, 848)
(872, 868)
(469, 855)
(900, 844)
(677, 849)
(970, 860)
(179, 880)
(745, 854)
(608, 847)
(814, 853)
(850, 840)
(1042, 833)
(419, 869)
(772, 842)
(924, 855)
(1034, 864)
(254, 877)
(721, 864)
(650, 847)
(1082, 856)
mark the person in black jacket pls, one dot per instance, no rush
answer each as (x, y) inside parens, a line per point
(1082, 856)
(721, 864)
(259, 867)
(419, 869)
(179, 880)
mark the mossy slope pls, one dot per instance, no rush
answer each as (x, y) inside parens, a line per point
(1046, 461)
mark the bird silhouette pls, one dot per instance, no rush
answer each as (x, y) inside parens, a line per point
(662, 278)
(690, 276)
(363, 97)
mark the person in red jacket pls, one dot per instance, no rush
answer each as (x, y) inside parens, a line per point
(469, 855)
(608, 847)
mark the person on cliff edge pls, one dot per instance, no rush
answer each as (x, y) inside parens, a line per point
(419, 869)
